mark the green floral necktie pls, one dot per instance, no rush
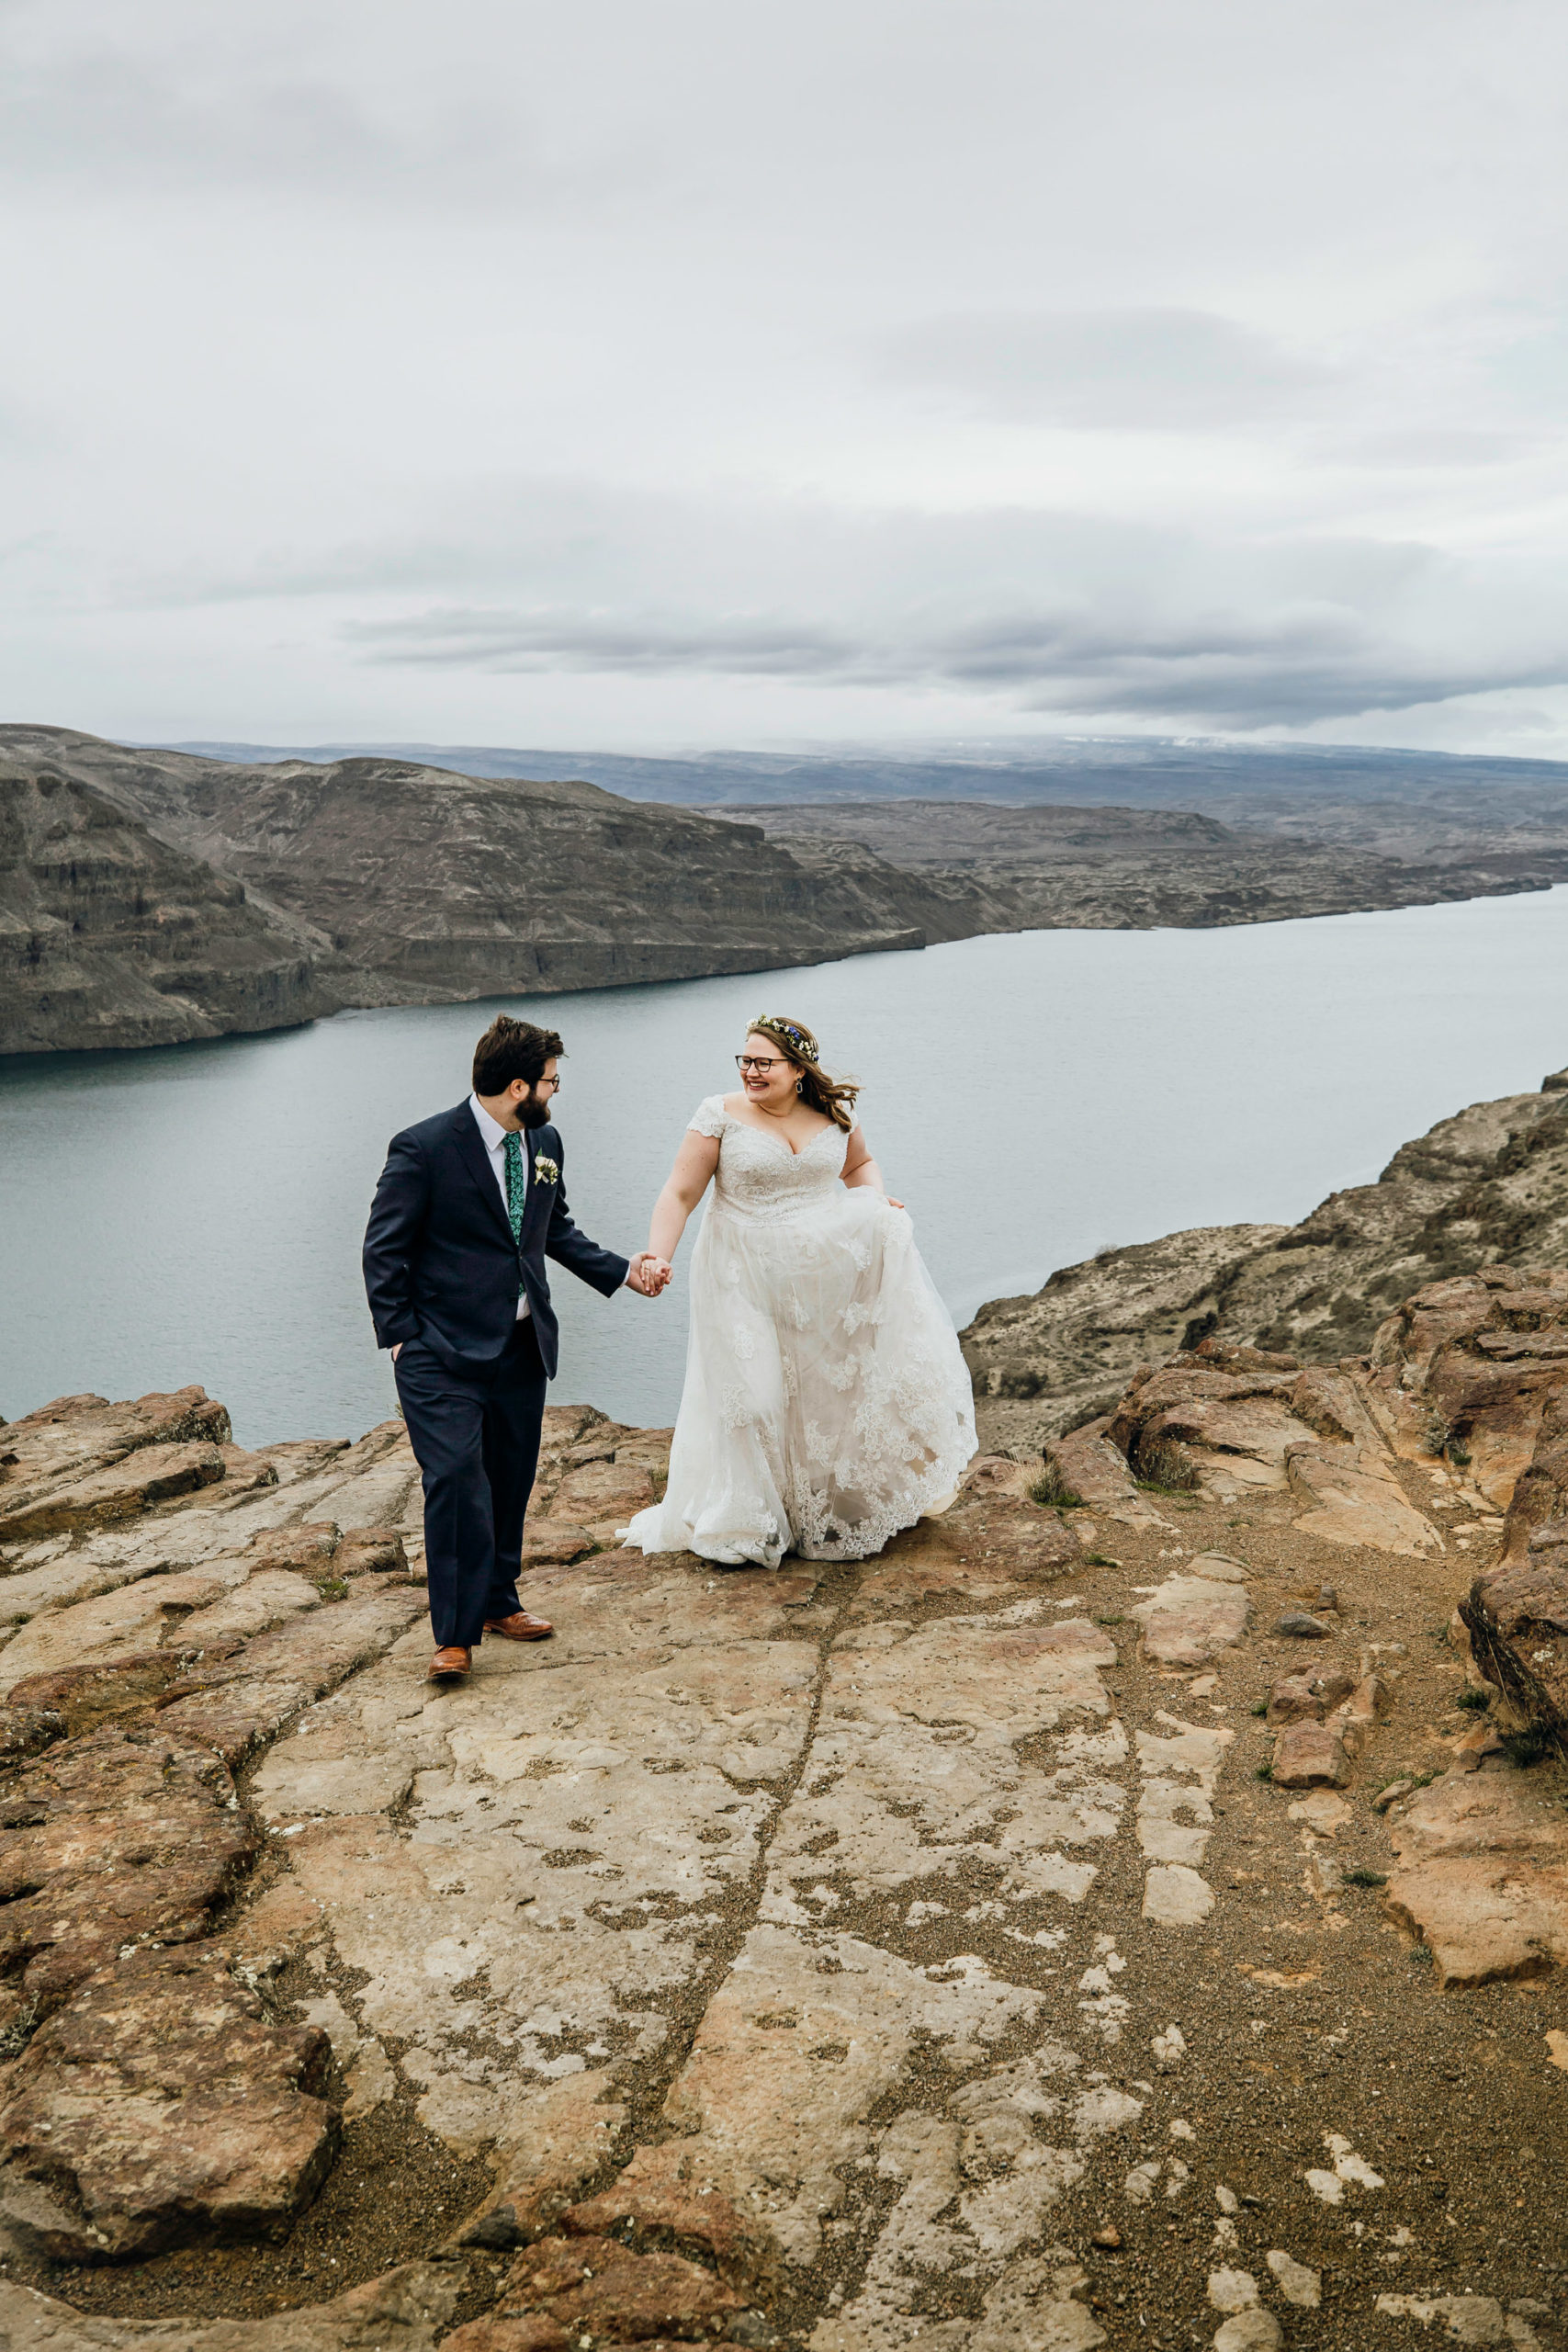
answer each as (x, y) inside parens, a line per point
(516, 1185)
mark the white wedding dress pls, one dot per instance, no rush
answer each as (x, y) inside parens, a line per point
(826, 1404)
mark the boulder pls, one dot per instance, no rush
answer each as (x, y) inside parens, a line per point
(1517, 1618)
(1090, 1466)
(1357, 1717)
(1292, 1701)
(1309, 1755)
(999, 1474)
(153, 1474)
(1299, 1699)
(1474, 1363)
(1227, 1429)
(1185, 1387)
(1333, 1404)
(163, 2105)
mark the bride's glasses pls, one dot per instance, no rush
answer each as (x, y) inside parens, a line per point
(761, 1063)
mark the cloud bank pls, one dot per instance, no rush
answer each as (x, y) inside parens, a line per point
(621, 377)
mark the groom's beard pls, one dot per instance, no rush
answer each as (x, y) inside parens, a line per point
(532, 1114)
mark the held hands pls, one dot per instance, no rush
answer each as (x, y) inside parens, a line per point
(648, 1273)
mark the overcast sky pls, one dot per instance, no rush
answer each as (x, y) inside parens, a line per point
(715, 372)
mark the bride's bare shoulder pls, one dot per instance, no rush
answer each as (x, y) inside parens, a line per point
(733, 1103)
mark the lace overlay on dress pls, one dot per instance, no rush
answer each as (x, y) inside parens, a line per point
(826, 1404)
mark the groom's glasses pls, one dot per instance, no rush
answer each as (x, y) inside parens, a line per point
(759, 1062)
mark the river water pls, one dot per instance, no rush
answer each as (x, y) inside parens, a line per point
(193, 1214)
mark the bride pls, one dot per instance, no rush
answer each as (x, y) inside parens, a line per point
(826, 1404)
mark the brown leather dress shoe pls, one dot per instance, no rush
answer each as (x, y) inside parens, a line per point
(520, 1627)
(449, 1665)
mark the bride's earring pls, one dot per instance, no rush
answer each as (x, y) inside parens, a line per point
(800, 1086)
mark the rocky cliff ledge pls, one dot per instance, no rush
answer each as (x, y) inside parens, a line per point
(1490, 1183)
(1113, 1919)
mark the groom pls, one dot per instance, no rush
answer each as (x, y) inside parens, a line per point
(464, 1217)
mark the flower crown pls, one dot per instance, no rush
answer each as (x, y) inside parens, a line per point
(771, 1026)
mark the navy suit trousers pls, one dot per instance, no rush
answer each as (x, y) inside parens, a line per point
(476, 1438)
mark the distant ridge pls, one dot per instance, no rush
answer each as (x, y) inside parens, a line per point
(1234, 783)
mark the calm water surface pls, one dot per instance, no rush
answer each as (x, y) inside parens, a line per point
(195, 1214)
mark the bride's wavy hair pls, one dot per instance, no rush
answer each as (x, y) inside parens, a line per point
(834, 1097)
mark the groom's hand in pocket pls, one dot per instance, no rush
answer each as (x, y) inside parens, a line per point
(396, 1351)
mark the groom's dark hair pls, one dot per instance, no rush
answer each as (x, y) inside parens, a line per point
(511, 1049)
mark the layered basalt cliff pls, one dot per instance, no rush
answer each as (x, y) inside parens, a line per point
(1139, 868)
(383, 882)
(111, 935)
(1489, 1184)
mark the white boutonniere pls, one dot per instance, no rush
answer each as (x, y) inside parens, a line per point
(544, 1169)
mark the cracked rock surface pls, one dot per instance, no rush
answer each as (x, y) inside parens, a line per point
(939, 1950)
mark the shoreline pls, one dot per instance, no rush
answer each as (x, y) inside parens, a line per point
(532, 993)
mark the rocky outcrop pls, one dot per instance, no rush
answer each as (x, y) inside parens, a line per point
(164, 2091)
(120, 1837)
(1488, 1186)
(111, 935)
(917, 1950)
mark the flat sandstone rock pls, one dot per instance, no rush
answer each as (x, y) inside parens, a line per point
(1483, 1875)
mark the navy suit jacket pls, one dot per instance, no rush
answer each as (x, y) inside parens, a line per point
(440, 1262)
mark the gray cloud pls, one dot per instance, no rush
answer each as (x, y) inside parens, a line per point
(1068, 614)
(1161, 370)
(1297, 666)
(603, 375)
(111, 121)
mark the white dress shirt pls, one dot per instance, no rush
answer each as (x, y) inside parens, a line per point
(494, 1136)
